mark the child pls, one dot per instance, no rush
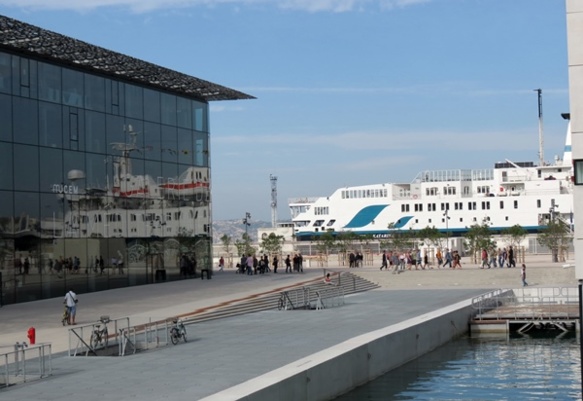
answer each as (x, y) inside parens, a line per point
(523, 275)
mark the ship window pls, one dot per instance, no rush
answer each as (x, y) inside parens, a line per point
(429, 221)
(416, 220)
(501, 204)
(132, 217)
(461, 219)
(506, 218)
(418, 207)
(538, 203)
(331, 222)
(318, 223)
(168, 216)
(516, 204)
(485, 205)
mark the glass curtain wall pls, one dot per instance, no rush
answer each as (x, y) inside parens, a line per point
(103, 183)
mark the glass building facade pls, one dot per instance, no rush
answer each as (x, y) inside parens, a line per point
(104, 182)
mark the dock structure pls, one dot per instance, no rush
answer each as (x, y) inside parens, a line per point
(526, 310)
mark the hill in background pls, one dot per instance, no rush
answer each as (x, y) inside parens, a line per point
(235, 229)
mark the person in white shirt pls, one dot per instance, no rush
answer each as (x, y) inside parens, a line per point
(71, 302)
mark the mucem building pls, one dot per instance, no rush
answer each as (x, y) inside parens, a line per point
(104, 167)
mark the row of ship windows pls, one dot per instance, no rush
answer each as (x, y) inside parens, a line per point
(432, 207)
(320, 223)
(114, 217)
(382, 193)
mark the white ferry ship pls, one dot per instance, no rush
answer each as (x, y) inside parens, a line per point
(136, 206)
(511, 193)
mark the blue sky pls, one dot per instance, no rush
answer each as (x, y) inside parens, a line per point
(349, 92)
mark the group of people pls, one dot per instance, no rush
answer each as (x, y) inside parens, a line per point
(498, 258)
(71, 265)
(407, 260)
(251, 264)
(355, 259)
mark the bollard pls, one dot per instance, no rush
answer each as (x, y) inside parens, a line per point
(31, 335)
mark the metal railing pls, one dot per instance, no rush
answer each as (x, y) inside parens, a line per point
(528, 303)
(329, 298)
(122, 336)
(26, 363)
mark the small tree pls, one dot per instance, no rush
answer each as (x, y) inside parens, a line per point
(272, 243)
(400, 239)
(325, 243)
(244, 245)
(557, 237)
(514, 235)
(432, 235)
(479, 237)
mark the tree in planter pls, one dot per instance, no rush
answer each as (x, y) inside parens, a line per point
(400, 240)
(432, 235)
(272, 243)
(365, 239)
(325, 243)
(514, 235)
(479, 237)
(227, 241)
(345, 242)
(557, 237)
(244, 246)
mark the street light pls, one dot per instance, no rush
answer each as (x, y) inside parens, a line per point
(247, 222)
(445, 214)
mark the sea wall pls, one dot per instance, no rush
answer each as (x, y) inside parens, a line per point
(340, 368)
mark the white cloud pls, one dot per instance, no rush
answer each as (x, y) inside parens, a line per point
(143, 6)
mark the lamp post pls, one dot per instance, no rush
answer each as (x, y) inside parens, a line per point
(247, 222)
(446, 215)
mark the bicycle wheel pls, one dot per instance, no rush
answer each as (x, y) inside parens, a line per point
(173, 336)
(95, 340)
(184, 334)
(280, 304)
(105, 337)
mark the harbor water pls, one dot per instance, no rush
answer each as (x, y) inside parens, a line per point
(501, 368)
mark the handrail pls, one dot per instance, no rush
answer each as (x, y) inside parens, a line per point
(83, 333)
(525, 303)
(20, 364)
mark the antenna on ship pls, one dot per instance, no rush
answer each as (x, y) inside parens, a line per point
(273, 180)
(541, 154)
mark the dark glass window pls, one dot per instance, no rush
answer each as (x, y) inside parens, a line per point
(72, 88)
(201, 152)
(97, 168)
(151, 105)
(185, 147)
(49, 83)
(95, 132)
(51, 171)
(26, 168)
(25, 113)
(134, 101)
(50, 125)
(168, 103)
(94, 93)
(200, 112)
(169, 145)
(184, 112)
(74, 168)
(6, 213)
(115, 134)
(27, 212)
(152, 144)
(5, 165)
(6, 118)
(5, 73)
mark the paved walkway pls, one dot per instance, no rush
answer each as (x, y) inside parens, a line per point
(226, 352)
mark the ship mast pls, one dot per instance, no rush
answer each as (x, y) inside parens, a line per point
(541, 154)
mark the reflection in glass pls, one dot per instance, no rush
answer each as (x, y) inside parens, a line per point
(25, 112)
(152, 142)
(168, 103)
(50, 125)
(72, 88)
(6, 175)
(49, 82)
(6, 118)
(5, 73)
(94, 93)
(151, 105)
(51, 173)
(95, 132)
(26, 176)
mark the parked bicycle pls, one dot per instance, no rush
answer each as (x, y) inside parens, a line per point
(100, 336)
(177, 331)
